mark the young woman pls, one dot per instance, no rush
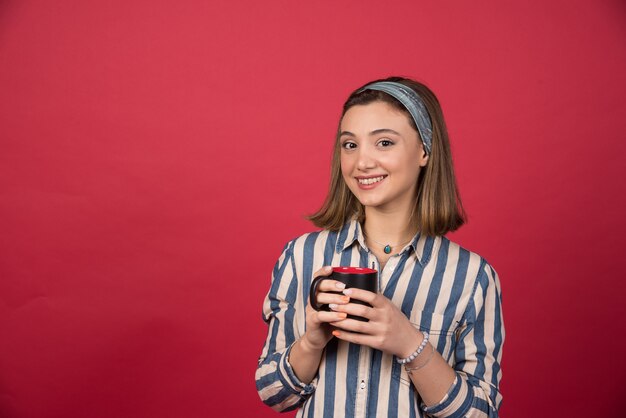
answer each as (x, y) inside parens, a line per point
(433, 342)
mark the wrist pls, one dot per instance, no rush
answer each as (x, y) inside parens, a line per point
(418, 350)
(308, 347)
(418, 362)
(415, 339)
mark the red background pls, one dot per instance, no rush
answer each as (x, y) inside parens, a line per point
(155, 156)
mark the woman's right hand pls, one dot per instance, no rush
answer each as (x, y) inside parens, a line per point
(319, 323)
(306, 353)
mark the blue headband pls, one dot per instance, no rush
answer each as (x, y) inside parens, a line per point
(413, 103)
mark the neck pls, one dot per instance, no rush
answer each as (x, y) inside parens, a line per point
(388, 227)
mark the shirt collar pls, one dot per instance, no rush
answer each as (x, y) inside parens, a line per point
(349, 233)
(352, 232)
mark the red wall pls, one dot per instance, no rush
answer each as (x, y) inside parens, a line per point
(155, 156)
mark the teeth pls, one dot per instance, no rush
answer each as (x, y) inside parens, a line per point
(371, 181)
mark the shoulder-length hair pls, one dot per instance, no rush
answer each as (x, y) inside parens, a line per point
(438, 208)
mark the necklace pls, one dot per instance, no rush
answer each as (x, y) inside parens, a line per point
(388, 247)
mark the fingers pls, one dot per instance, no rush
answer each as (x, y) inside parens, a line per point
(329, 317)
(373, 299)
(353, 309)
(330, 285)
(332, 298)
(353, 325)
(325, 286)
(355, 338)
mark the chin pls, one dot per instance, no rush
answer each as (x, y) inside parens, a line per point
(370, 202)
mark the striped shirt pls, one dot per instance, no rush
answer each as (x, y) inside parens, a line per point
(441, 287)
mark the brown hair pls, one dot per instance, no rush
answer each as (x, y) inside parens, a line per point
(438, 208)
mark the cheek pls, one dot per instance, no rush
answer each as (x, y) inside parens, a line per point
(347, 171)
(413, 172)
(346, 166)
(410, 165)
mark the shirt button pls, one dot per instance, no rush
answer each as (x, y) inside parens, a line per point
(362, 385)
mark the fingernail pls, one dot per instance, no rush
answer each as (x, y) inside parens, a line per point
(336, 333)
(328, 269)
(332, 306)
(345, 299)
(340, 285)
(342, 315)
(347, 292)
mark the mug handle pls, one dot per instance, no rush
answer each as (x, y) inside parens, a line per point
(313, 292)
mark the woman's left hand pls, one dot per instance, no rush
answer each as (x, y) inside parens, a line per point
(388, 329)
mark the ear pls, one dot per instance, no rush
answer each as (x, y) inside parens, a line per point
(423, 158)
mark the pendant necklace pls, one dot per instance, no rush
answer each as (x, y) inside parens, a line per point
(388, 247)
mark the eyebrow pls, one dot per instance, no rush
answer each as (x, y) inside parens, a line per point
(374, 132)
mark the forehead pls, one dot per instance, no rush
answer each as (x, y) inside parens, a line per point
(373, 116)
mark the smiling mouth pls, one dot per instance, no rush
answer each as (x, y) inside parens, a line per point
(371, 180)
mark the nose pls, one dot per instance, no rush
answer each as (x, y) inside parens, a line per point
(365, 160)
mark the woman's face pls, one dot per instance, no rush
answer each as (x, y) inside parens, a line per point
(381, 156)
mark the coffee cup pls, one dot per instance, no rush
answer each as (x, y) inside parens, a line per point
(353, 277)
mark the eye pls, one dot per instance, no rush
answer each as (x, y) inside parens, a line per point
(385, 143)
(348, 145)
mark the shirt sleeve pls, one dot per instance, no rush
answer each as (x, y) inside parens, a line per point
(475, 392)
(276, 382)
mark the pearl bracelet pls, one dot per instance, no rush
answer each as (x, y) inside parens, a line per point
(416, 352)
